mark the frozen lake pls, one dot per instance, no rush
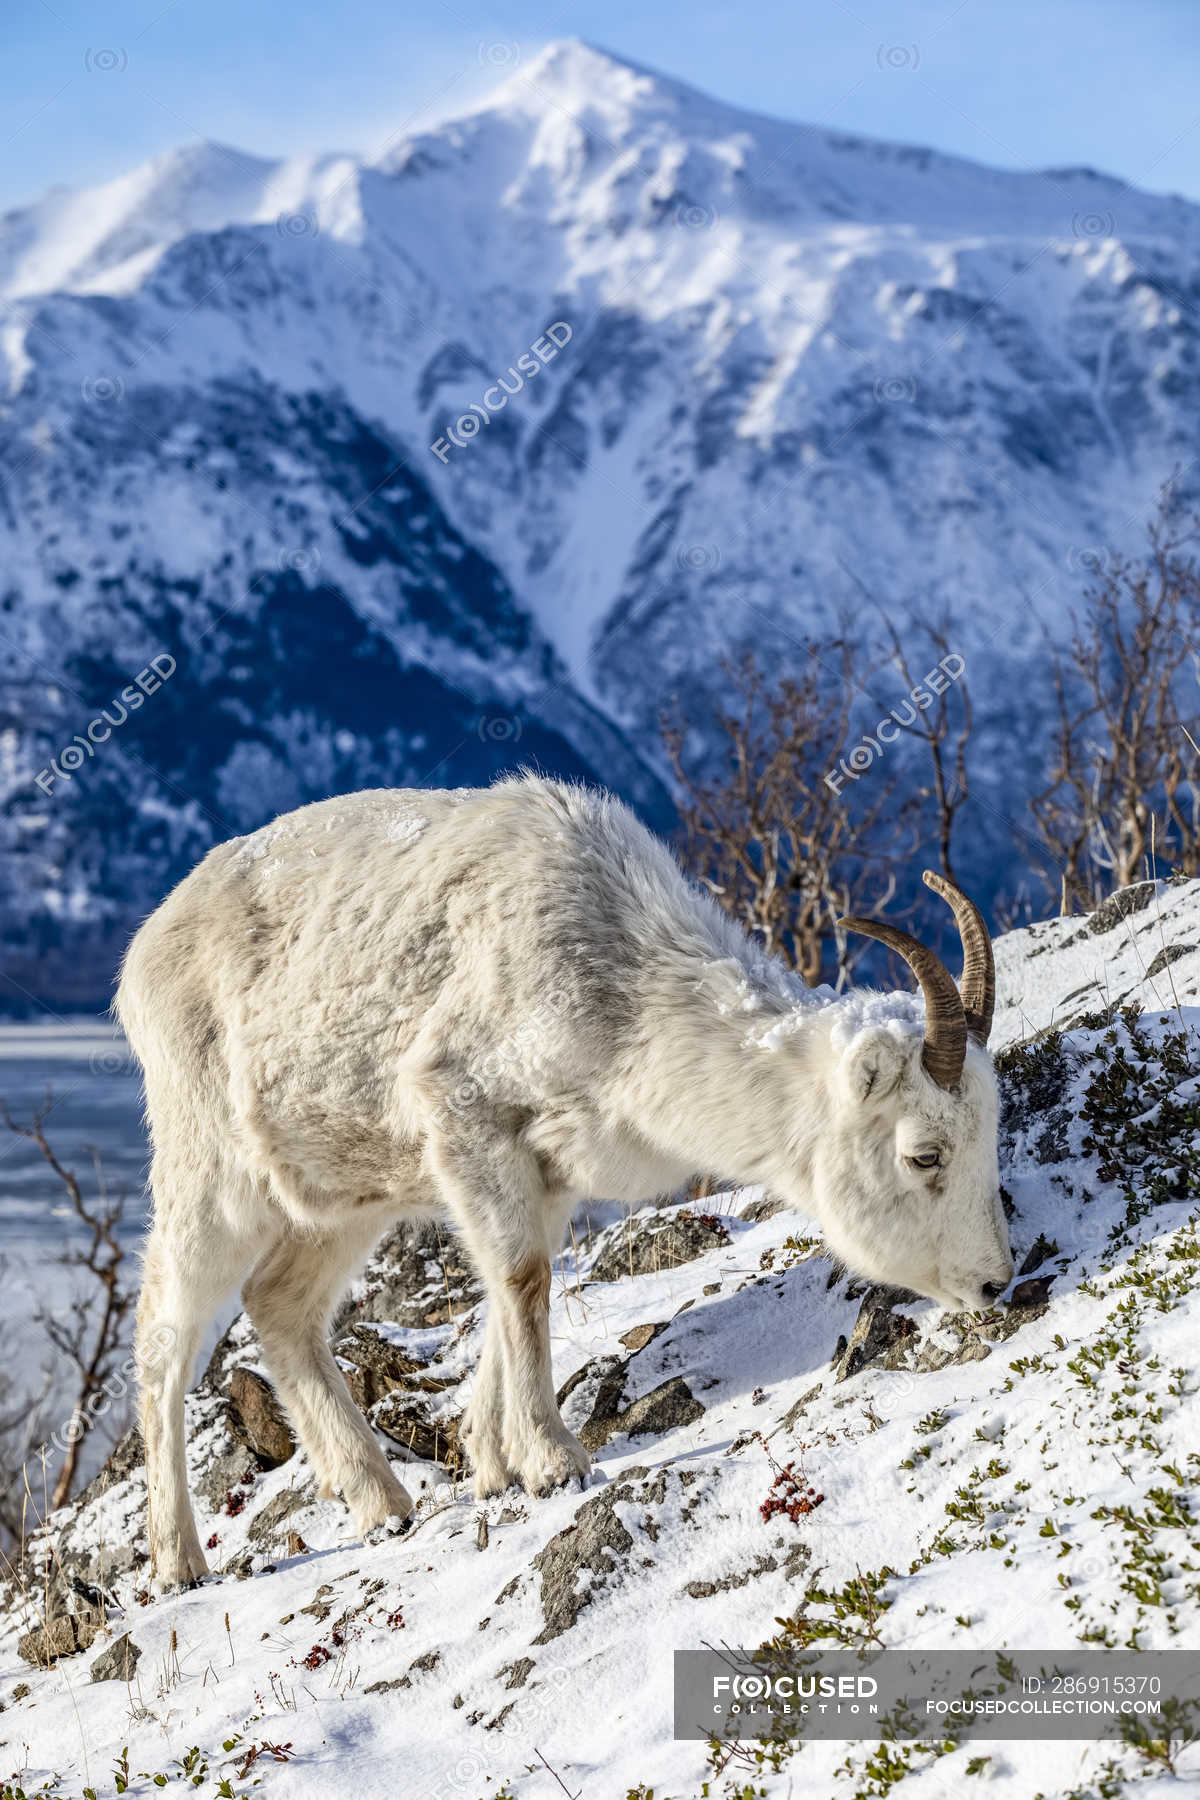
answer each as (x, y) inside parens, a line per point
(94, 1126)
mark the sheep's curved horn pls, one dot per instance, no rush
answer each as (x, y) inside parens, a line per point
(945, 1021)
(978, 985)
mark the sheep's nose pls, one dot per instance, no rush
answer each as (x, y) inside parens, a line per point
(992, 1290)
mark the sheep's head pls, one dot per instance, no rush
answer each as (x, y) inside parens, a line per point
(907, 1177)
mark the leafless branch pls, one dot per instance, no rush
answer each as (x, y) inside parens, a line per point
(88, 1334)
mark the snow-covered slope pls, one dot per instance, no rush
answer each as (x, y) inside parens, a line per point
(1024, 1480)
(793, 374)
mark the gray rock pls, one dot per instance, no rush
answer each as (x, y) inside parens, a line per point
(594, 1392)
(667, 1406)
(234, 1468)
(1028, 1301)
(117, 1661)
(419, 1275)
(764, 1208)
(379, 1367)
(1040, 1251)
(1118, 906)
(878, 1333)
(64, 1635)
(641, 1247)
(1167, 955)
(596, 1544)
(264, 1528)
(236, 1345)
(671, 1403)
(126, 1455)
(765, 1564)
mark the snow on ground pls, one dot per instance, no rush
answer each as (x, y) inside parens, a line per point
(1024, 1480)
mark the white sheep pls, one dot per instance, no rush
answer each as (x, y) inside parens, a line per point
(493, 1004)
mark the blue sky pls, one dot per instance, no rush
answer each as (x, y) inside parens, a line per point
(90, 87)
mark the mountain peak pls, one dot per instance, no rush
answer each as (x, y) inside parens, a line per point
(580, 78)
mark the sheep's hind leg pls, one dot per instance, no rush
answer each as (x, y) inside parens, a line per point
(186, 1276)
(290, 1298)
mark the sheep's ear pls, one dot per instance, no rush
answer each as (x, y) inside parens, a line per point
(873, 1065)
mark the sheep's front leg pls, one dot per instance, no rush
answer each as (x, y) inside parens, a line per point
(513, 1426)
(537, 1444)
(483, 1422)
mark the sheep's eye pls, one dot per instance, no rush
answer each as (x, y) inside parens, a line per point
(929, 1159)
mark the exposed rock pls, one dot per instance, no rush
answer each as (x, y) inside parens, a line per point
(263, 1530)
(639, 1336)
(1167, 955)
(596, 1544)
(234, 1468)
(877, 1331)
(380, 1367)
(256, 1418)
(236, 1346)
(420, 1665)
(64, 1635)
(117, 1661)
(766, 1207)
(1029, 1294)
(126, 1455)
(765, 1564)
(519, 1672)
(1029, 1300)
(599, 1385)
(890, 1341)
(406, 1422)
(667, 1406)
(1118, 906)
(798, 1408)
(1039, 1251)
(419, 1275)
(321, 1604)
(642, 1246)
(932, 1357)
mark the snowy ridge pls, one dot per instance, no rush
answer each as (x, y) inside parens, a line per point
(807, 376)
(1026, 1479)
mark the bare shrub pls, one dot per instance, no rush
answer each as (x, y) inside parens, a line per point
(1123, 794)
(782, 849)
(85, 1330)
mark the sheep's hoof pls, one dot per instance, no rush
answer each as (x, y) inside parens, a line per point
(392, 1527)
(177, 1570)
(551, 1463)
(492, 1474)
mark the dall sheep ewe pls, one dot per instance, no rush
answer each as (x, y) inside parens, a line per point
(494, 1003)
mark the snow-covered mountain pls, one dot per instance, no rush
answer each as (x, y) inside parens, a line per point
(481, 451)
